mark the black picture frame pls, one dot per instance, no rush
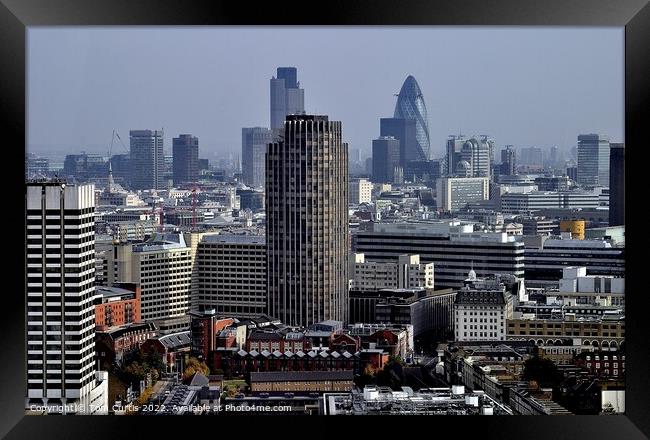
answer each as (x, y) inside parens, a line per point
(634, 15)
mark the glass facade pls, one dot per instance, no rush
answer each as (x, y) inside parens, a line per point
(410, 105)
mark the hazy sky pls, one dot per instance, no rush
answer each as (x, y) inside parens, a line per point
(522, 86)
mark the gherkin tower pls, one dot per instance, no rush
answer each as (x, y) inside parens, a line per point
(410, 105)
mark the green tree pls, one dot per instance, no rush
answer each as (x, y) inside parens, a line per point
(542, 371)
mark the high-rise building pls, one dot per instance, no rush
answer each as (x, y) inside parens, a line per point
(454, 193)
(147, 159)
(360, 191)
(287, 98)
(60, 291)
(410, 105)
(385, 159)
(617, 184)
(593, 160)
(232, 275)
(253, 151)
(163, 268)
(307, 222)
(185, 151)
(508, 161)
(404, 130)
(477, 153)
(454, 149)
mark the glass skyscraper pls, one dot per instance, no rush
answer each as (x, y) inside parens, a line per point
(287, 98)
(593, 160)
(410, 105)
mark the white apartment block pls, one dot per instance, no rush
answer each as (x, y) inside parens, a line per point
(360, 191)
(480, 314)
(406, 273)
(60, 291)
(163, 268)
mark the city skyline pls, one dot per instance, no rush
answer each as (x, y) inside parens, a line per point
(78, 87)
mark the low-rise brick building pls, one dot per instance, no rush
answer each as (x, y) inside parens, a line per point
(301, 381)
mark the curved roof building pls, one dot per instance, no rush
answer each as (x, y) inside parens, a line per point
(410, 105)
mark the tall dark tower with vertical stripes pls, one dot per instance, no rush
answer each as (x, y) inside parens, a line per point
(307, 222)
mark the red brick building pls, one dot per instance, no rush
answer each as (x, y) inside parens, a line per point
(111, 345)
(602, 364)
(205, 326)
(120, 305)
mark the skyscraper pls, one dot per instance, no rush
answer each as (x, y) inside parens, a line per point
(60, 290)
(185, 151)
(404, 130)
(385, 159)
(307, 222)
(617, 184)
(410, 105)
(508, 158)
(147, 159)
(593, 160)
(476, 152)
(287, 98)
(254, 141)
(454, 148)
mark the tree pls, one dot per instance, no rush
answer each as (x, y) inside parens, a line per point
(194, 366)
(542, 371)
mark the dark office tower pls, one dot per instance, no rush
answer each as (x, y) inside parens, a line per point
(410, 105)
(385, 158)
(404, 130)
(147, 159)
(185, 151)
(616, 184)
(307, 222)
(593, 160)
(121, 166)
(572, 173)
(287, 98)
(254, 141)
(60, 290)
(508, 161)
(454, 150)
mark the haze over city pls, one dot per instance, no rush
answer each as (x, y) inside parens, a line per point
(521, 86)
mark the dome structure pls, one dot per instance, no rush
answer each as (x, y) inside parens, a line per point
(410, 105)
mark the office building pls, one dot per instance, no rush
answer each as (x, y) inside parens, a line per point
(60, 339)
(385, 159)
(453, 157)
(538, 225)
(253, 152)
(232, 275)
(508, 161)
(405, 273)
(454, 193)
(575, 227)
(82, 167)
(410, 105)
(307, 222)
(185, 151)
(162, 266)
(546, 258)
(360, 191)
(287, 98)
(147, 159)
(477, 152)
(593, 160)
(617, 184)
(533, 201)
(404, 130)
(453, 248)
